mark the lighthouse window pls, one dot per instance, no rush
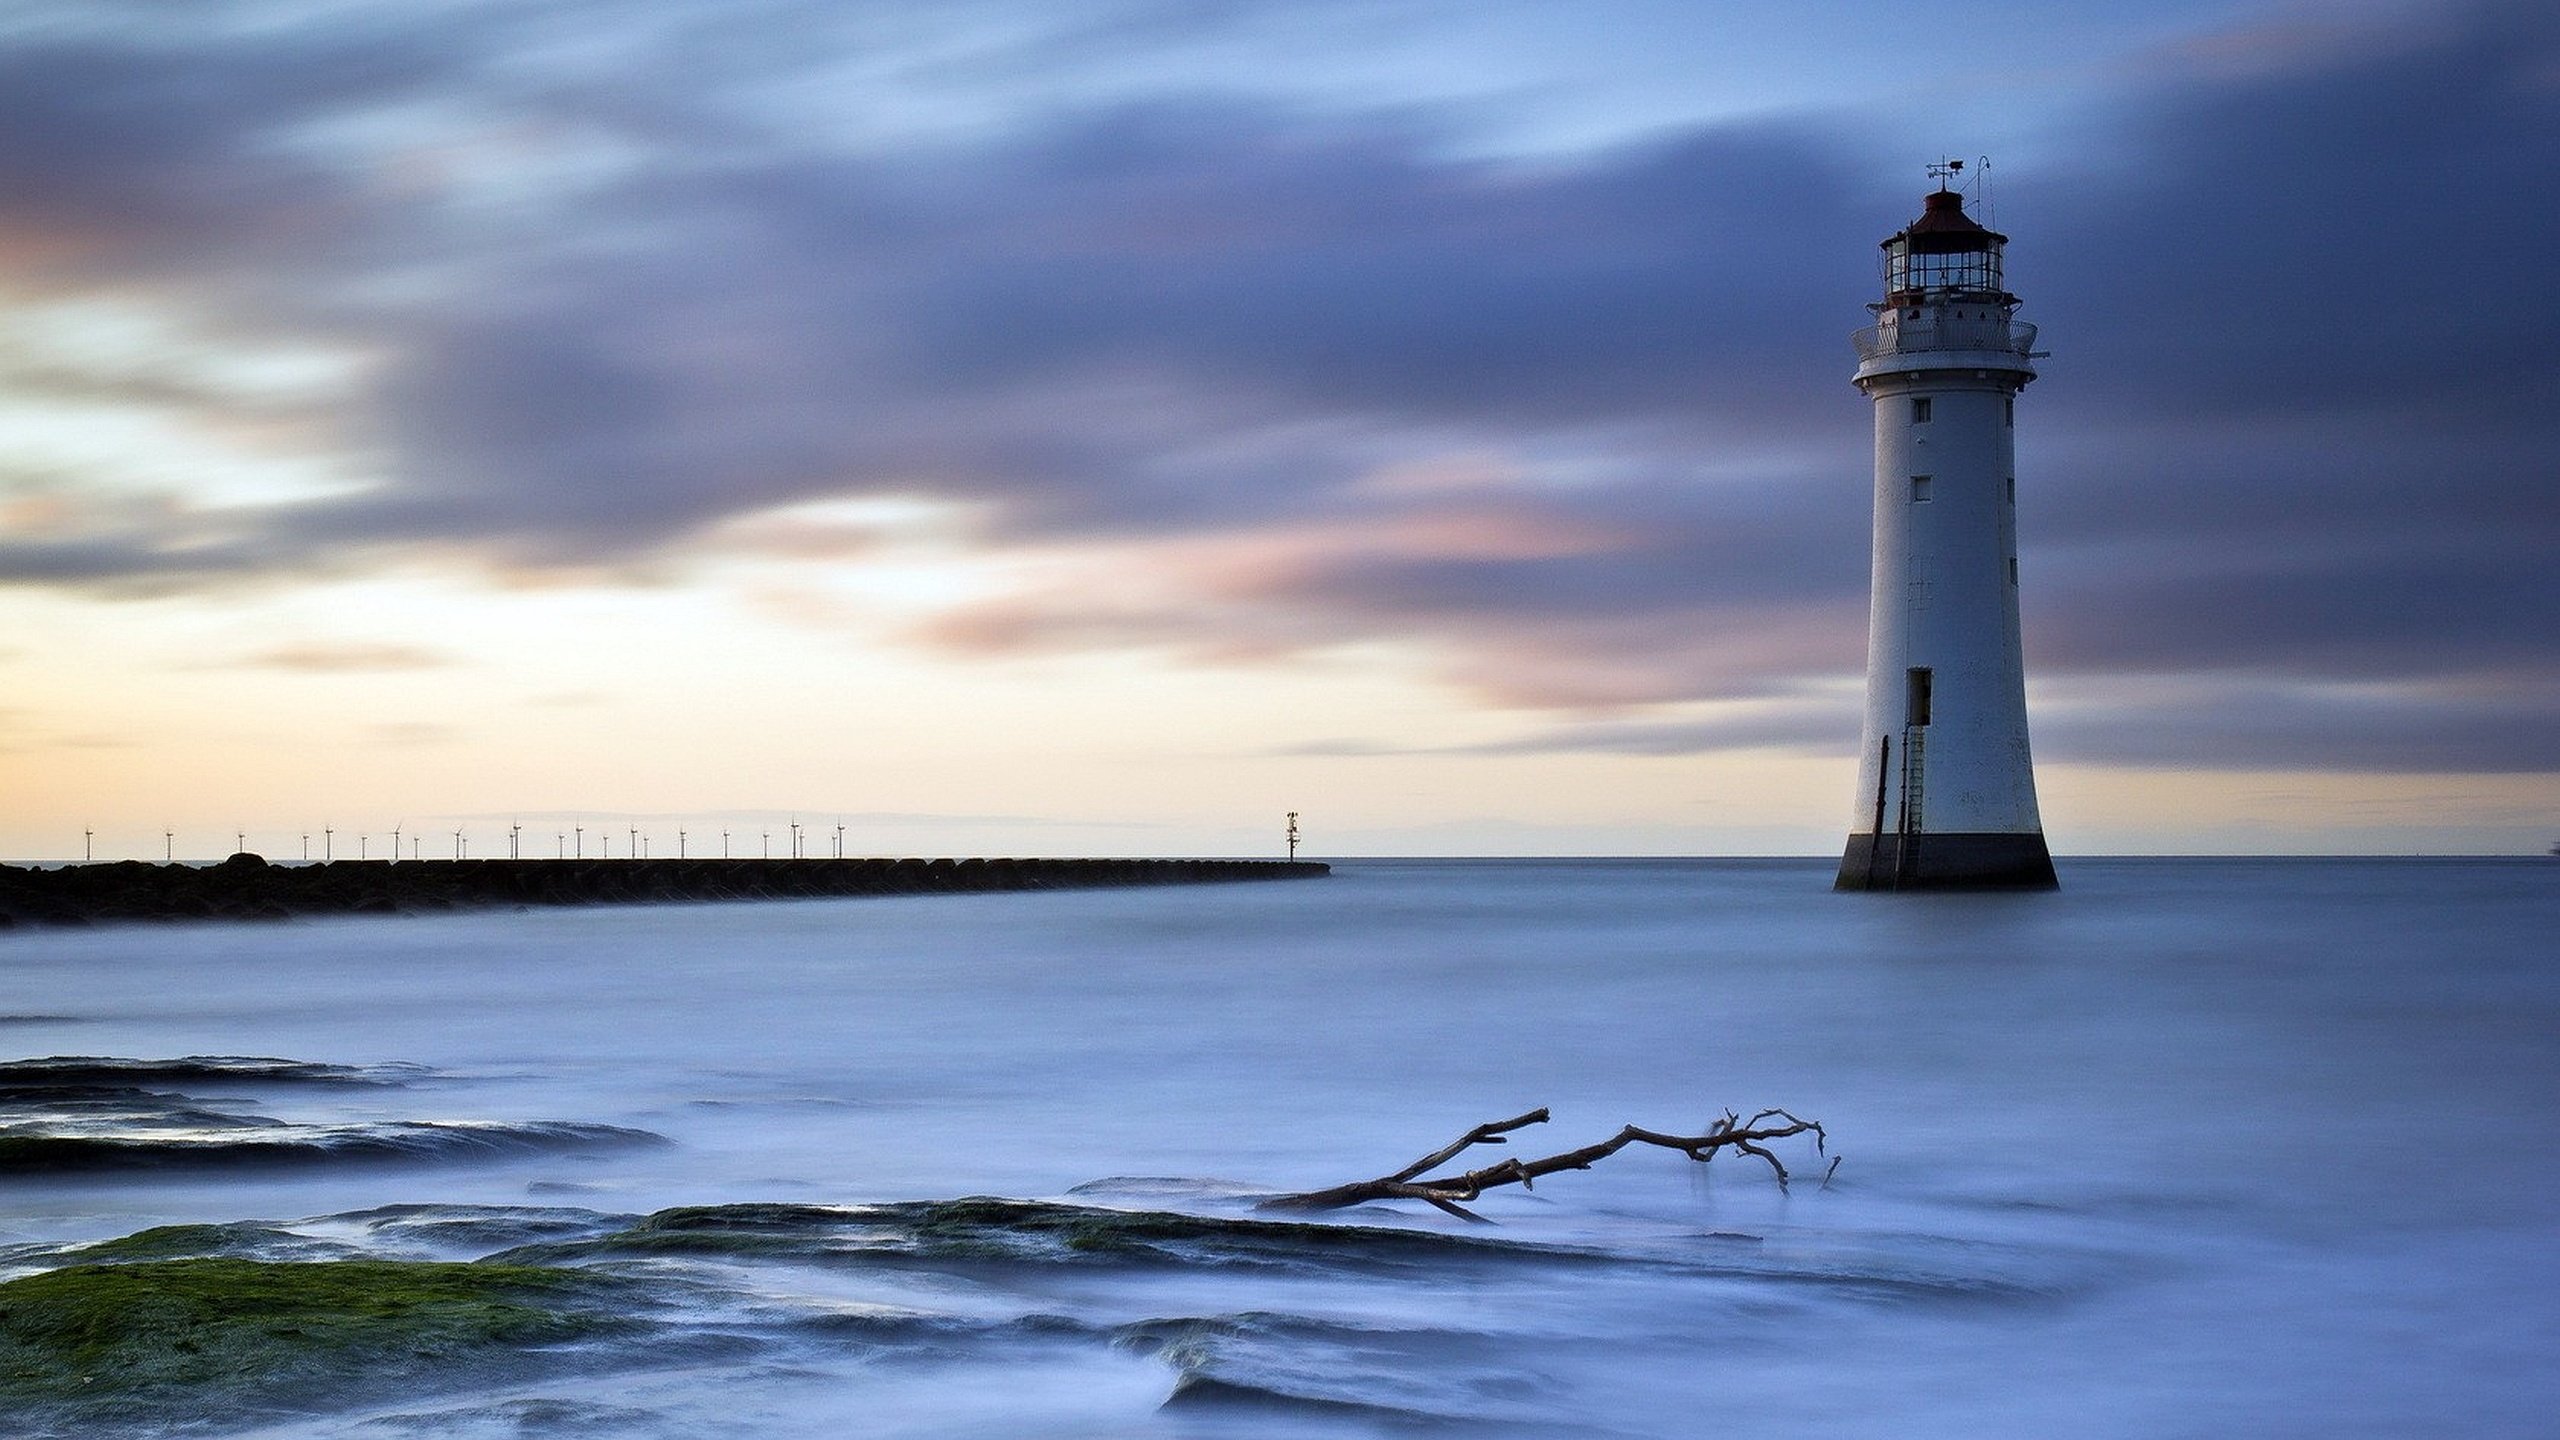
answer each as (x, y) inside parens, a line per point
(1920, 410)
(2012, 487)
(1963, 274)
(1919, 489)
(2013, 569)
(2008, 412)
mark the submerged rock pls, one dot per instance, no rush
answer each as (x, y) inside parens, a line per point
(989, 1230)
(77, 1114)
(139, 1345)
(239, 1240)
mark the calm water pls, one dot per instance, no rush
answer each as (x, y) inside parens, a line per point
(2196, 1148)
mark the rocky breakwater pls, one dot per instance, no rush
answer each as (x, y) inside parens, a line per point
(247, 887)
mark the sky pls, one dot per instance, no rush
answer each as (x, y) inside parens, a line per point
(1104, 426)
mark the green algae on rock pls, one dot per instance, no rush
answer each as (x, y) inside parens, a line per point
(992, 1230)
(154, 1340)
(237, 1240)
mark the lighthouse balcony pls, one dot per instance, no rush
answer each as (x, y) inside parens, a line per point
(1907, 334)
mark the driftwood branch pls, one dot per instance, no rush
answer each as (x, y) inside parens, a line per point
(1450, 1192)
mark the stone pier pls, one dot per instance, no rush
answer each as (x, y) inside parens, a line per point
(246, 887)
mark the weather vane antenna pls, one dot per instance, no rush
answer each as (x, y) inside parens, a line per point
(1951, 174)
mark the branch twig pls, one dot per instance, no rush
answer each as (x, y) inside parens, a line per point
(1450, 1192)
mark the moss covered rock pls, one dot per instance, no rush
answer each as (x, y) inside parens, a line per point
(226, 1338)
(239, 1240)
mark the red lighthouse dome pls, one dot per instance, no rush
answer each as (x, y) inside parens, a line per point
(1944, 256)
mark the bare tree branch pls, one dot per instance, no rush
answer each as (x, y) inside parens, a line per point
(1449, 1192)
(1489, 1133)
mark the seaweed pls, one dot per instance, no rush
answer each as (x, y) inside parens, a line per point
(990, 1230)
(142, 1342)
(237, 1240)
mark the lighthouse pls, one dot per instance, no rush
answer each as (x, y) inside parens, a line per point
(1946, 796)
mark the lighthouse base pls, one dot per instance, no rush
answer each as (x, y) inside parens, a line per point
(1982, 861)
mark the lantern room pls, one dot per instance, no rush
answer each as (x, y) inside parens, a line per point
(1944, 256)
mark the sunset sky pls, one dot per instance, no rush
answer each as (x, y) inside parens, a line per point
(1085, 427)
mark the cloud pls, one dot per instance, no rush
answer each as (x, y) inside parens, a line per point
(1192, 345)
(1151, 314)
(405, 733)
(332, 658)
(2500, 727)
(1818, 727)
(2297, 404)
(160, 552)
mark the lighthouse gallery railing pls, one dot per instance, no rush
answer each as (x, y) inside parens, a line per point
(1904, 336)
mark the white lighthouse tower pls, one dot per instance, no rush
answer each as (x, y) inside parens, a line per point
(1946, 790)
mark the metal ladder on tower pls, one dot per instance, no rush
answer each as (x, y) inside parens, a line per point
(1915, 754)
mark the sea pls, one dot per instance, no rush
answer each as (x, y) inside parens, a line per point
(2191, 1147)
